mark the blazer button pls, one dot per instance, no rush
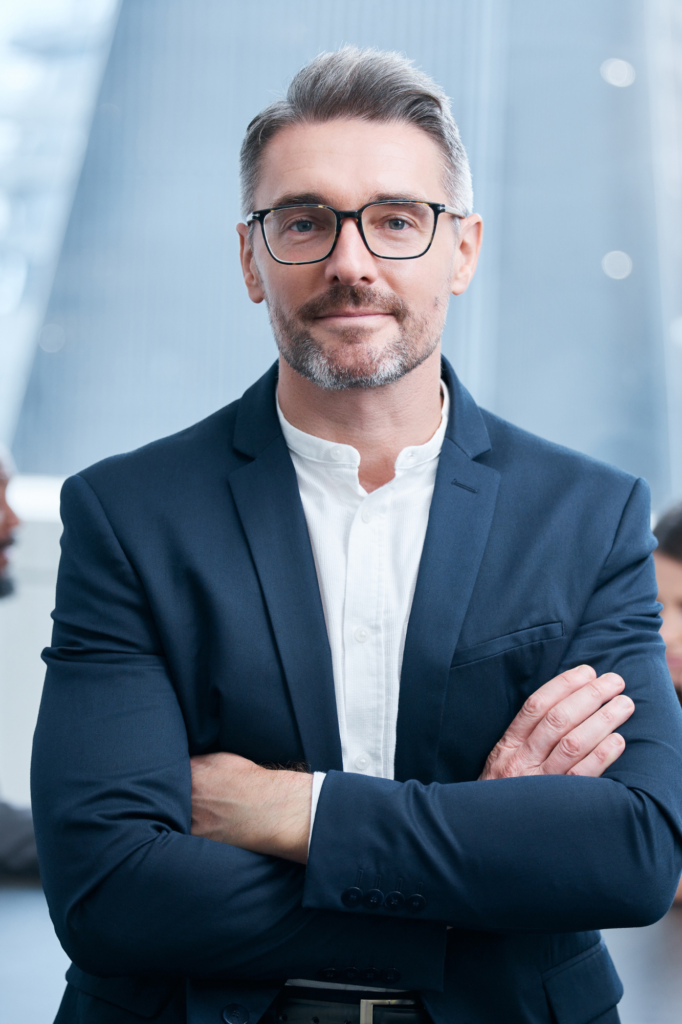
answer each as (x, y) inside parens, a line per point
(394, 900)
(327, 974)
(373, 899)
(235, 1014)
(415, 904)
(351, 974)
(371, 974)
(390, 975)
(352, 897)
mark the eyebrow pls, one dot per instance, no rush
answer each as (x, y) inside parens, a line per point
(314, 198)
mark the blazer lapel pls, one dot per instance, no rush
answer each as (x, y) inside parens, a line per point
(459, 522)
(266, 494)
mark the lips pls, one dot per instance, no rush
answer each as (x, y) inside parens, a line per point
(354, 313)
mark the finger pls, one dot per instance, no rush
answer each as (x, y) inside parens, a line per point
(582, 741)
(601, 758)
(540, 702)
(569, 713)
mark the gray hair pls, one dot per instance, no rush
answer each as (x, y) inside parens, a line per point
(368, 84)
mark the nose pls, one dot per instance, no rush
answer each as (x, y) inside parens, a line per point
(351, 263)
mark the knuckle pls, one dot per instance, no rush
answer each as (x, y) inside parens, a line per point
(510, 770)
(556, 718)
(533, 707)
(570, 745)
(505, 746)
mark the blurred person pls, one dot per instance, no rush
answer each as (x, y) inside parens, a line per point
(18, 855)
(356, 569)
(668, 560)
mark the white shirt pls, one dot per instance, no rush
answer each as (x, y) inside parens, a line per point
(367, 549)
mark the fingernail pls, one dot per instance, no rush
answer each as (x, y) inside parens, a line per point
(624, 702)
(585, 672)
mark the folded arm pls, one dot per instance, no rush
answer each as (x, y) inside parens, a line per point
(541, 841)
(542, 852)
(130, 890)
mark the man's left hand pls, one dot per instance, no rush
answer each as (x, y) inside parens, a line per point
(237, 802)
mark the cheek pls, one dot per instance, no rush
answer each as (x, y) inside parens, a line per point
(671, 630)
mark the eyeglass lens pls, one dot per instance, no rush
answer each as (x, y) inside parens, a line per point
(301, 234)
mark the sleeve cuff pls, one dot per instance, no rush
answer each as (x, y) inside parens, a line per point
(318, 779)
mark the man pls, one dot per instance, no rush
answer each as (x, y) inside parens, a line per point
(668, 562)
(356, 571)
(18, 854)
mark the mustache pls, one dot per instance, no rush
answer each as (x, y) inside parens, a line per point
(342, 296)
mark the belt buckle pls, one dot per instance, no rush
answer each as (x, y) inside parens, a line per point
(367, 1007)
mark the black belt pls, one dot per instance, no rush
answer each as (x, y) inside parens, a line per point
(327, 1006)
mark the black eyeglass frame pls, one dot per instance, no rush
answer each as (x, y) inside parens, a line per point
(356, 215)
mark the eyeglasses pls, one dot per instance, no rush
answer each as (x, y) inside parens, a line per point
(392, 229)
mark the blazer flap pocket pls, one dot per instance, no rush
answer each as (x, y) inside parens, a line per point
(583, 987)
(508, 642)
(144, 996)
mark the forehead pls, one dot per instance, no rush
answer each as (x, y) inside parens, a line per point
(348, 162)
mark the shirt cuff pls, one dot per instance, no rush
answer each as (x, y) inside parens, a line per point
(318, 779)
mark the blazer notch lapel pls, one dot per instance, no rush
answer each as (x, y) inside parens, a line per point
(460, 519)
(266, 494)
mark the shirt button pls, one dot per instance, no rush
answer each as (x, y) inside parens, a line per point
(361, 635)
(336, 454)
(366, 515)
(361, 762)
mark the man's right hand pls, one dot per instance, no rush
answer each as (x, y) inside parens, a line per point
(564, 728)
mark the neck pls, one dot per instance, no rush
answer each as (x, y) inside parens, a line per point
(378, 422)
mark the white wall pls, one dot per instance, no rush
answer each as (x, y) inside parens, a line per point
(25, 627)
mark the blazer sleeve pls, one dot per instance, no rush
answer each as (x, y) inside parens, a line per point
(556, 853)
(130, 891)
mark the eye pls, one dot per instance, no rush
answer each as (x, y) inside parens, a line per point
(397, 224)
(302, 227)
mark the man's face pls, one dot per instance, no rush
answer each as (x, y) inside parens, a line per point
(669, 578)
(355, 320)
(8, 524)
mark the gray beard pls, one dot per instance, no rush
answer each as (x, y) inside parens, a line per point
(385, 366)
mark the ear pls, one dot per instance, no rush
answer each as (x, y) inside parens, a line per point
(249, 269)
(468, 247)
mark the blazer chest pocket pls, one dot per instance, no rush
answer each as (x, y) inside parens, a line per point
(508, 642)
(584, 987)
(487, 686)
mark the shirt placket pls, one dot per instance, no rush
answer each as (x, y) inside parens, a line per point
(365, 668)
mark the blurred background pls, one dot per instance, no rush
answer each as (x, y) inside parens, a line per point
(123, 316)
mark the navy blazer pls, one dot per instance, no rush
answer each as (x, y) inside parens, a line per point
(189, 620)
